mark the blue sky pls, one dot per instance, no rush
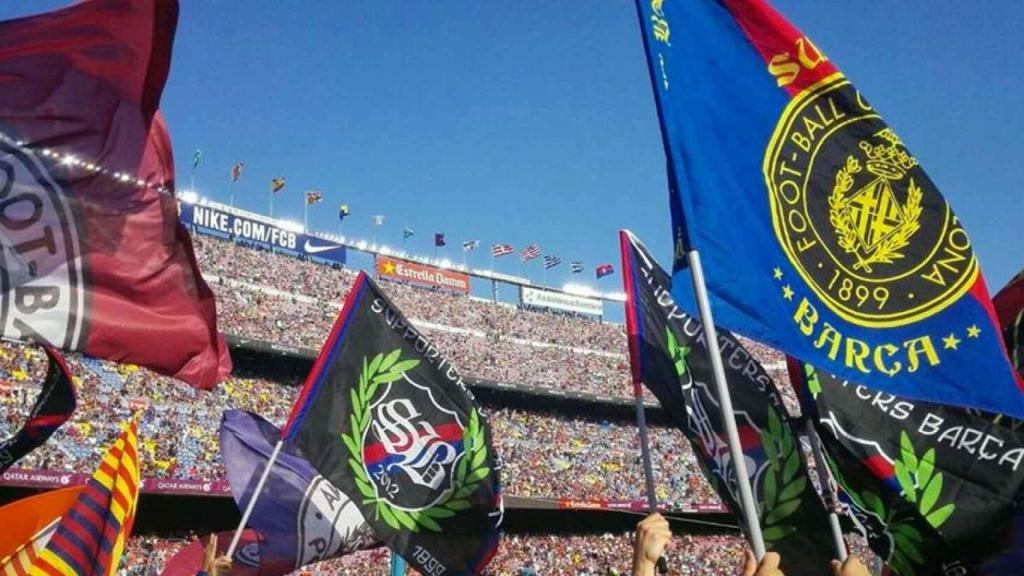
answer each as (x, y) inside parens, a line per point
(528, 121)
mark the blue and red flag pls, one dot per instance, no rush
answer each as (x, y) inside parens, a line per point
(53, 407)
(604, 270)
(820, 232)
(92, 534)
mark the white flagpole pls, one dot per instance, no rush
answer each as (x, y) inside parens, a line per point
(252, 500)
(828, 489)
(739, 463)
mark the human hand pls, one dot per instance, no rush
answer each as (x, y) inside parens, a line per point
(212, 565)
(769, 565)
(652, 537)
(852, 567)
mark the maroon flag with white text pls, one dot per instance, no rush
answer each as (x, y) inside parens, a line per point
(93, 256)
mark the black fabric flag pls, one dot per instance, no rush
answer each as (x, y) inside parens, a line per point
(53, 407)
(668, 355)
(956, 471)
(385, 417)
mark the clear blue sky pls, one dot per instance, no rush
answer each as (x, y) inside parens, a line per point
(533, 121)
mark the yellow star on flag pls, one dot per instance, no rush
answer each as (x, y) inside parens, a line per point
(973, 331)
(777, 273)
(950, 342)
(787, 292)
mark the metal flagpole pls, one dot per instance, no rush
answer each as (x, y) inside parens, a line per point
(645, 453)
(252, 500)
(829, 490)
(231, 202)
(305, 215)
(725, 403)
(271, 198)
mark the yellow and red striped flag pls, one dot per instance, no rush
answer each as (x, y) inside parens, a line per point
(91, 537)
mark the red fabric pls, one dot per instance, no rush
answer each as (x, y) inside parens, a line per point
(776, 39)
(86, 81)
(1010, 301)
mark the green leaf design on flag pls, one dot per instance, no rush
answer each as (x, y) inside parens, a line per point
(921, 483)
(676, 352)
(782, 487)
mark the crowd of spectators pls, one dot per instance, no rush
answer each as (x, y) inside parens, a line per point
(518, 555)
(275, 297)
(546, 455)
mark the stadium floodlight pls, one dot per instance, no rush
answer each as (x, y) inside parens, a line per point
(361, 245)
(446, 263)
(188, 196)
(579, 290)
(69, 160)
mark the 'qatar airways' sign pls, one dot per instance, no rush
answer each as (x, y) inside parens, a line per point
(429, 276)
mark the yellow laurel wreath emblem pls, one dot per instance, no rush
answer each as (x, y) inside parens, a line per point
(888, 250)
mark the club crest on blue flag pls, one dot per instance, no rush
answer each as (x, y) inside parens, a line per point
(819, 231)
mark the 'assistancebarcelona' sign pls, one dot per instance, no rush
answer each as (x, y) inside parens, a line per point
(820, 232)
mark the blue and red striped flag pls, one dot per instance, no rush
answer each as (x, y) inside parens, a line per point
(604, 270)
(92, 535)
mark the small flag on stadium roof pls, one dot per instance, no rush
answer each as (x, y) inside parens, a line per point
(276, 184)
(343, 212)
(196, 157)
(439, 239)
(470, 245)
(236, 171)
(576, 267)
(529, 253)
(378, 220)
(407, 232)
(551, 261)
(92, 535)
(604, 270)
(501, 250)
(313, 196)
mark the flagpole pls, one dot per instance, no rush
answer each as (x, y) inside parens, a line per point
(828, 488)
(252, 500)
(747, 506)
(305, 216)
(271, 198)
(231, 200)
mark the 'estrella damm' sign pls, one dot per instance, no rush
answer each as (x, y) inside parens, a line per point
(820, 232)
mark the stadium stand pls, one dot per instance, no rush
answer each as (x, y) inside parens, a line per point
(555, 454)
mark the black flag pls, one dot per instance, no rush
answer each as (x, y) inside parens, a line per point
(385, 417)
(958, 469)
(668, 355)
(53, 407)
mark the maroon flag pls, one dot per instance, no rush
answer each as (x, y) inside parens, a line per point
(94, 258)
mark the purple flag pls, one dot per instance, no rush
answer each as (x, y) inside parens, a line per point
(301, 517)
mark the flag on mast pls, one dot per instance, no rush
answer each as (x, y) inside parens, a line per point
(277, 184)
(470, 245)
(529, 253)
(498, 250)
(236, 171)
(668, 356)
(820, 233)
(314, 197)
(435, 497)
